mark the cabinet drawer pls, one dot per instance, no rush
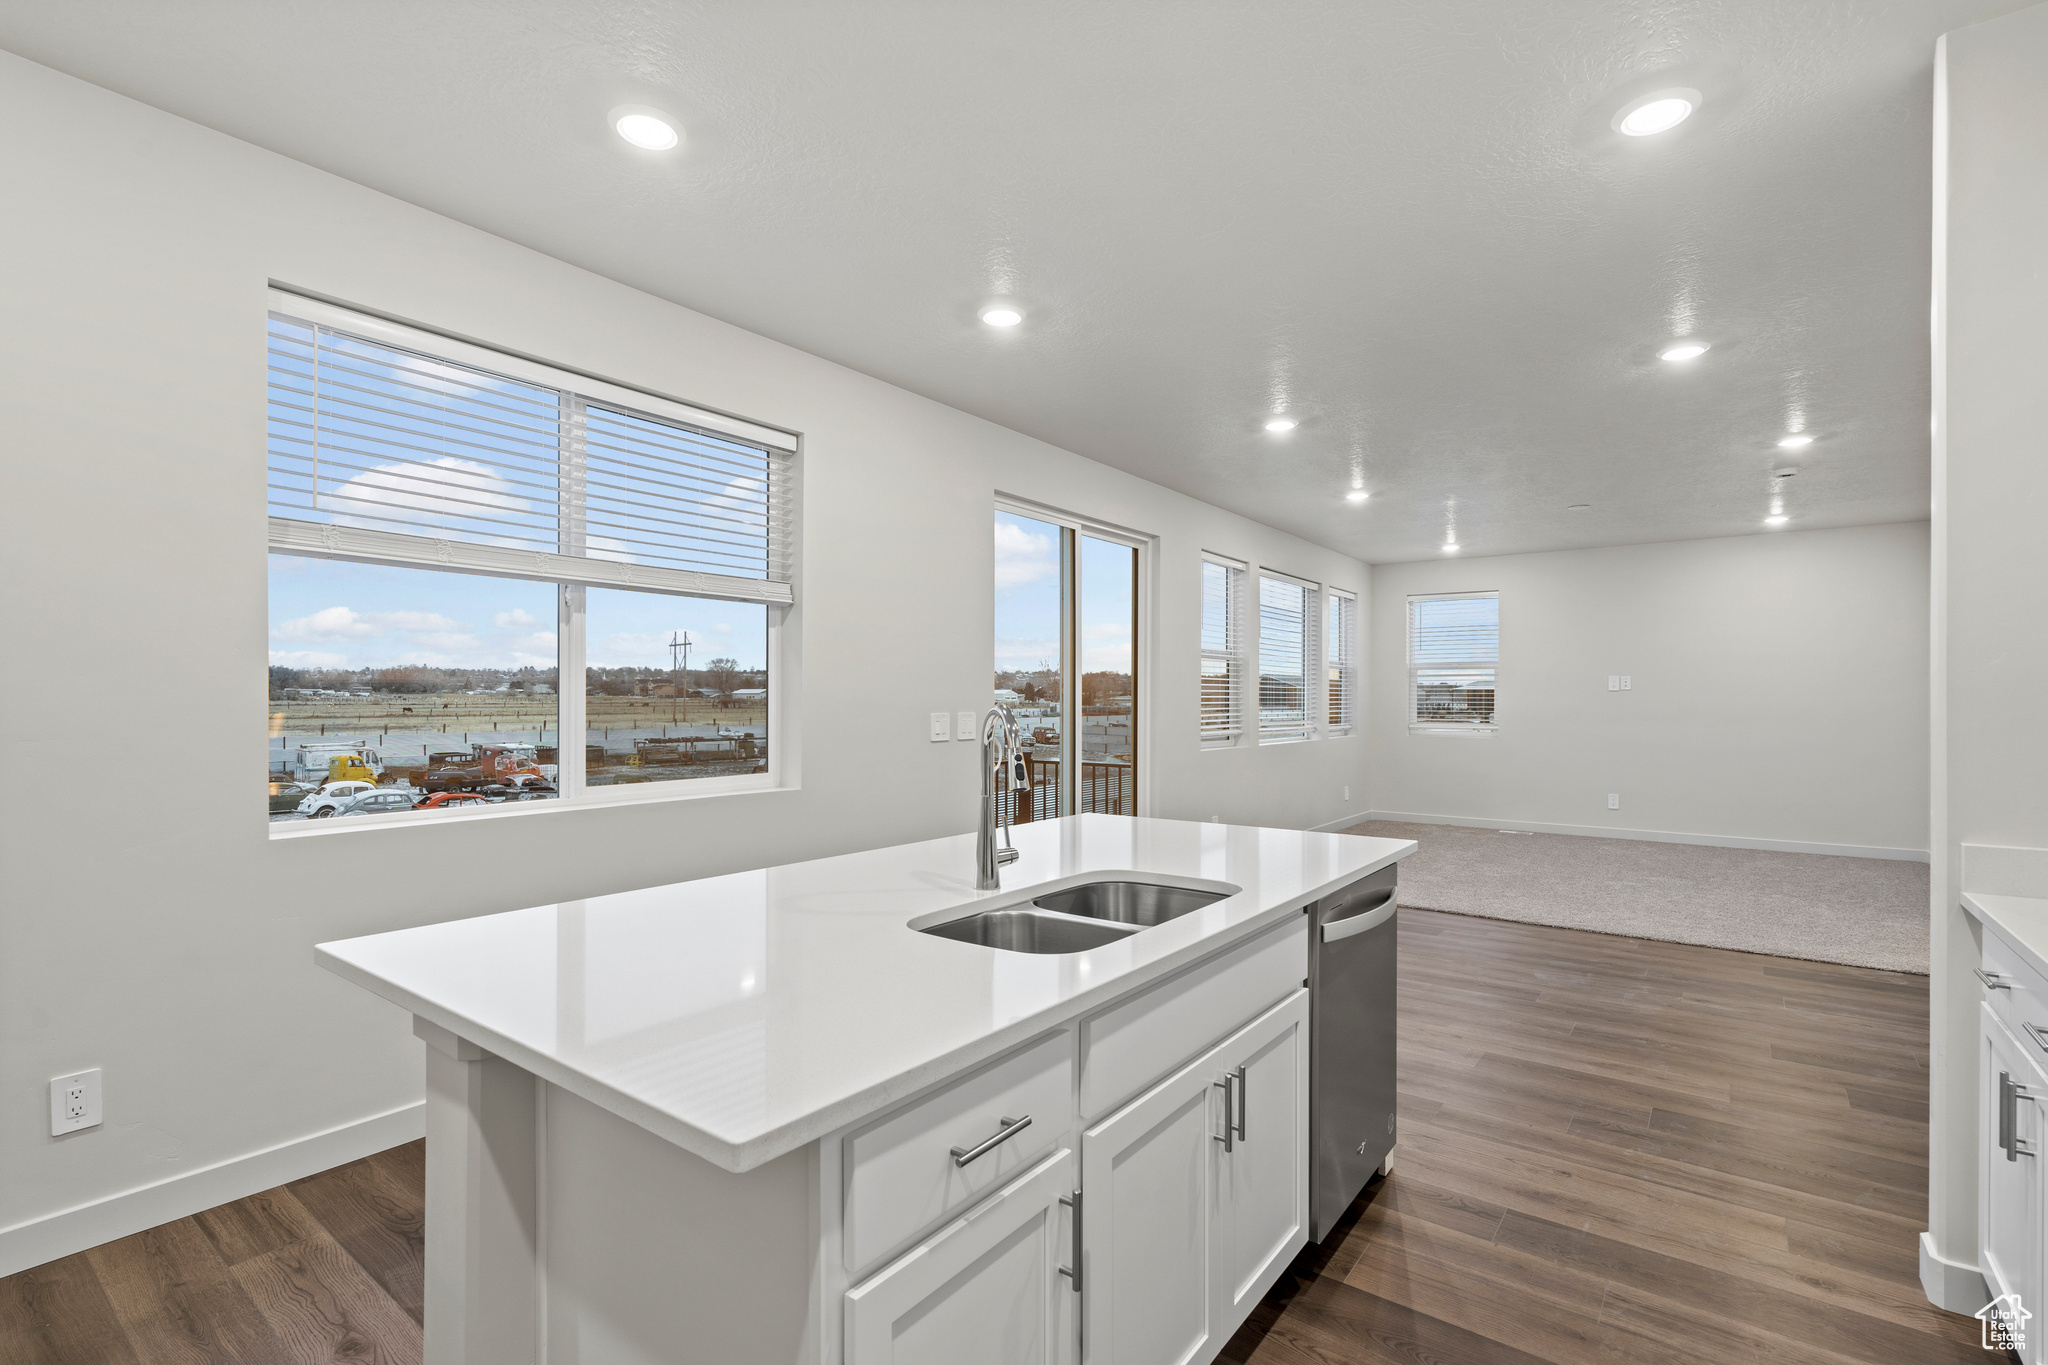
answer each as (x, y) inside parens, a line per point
(2023, 999)
(901, 1174)
(1129, 1046)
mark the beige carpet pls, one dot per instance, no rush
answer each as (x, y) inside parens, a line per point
(1867, 912)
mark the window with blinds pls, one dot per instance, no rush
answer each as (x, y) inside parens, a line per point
(1453, 654)
(1222, 651)
(1287, 652)
(493, 580)
(1341, 644)
(383, 453)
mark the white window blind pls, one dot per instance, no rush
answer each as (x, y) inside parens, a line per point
(1222, 651)
(1453, 653)
(1341, 644)
(1287, 625)
(399, 454)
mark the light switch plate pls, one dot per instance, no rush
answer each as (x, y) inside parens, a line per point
(1627, 682)
(1614, 682)
(942, 726)
(963, 726)
(1614, 800)
(75, 1102)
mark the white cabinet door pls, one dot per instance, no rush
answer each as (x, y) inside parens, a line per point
(984, 1290)
(1148, 1176)
(2009, 1156)
(1261, 1212)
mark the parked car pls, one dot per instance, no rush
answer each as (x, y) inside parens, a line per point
(451, 771)
(286, 796)
(447, 800)
(376, 801)
(524, 788)
(332, 797)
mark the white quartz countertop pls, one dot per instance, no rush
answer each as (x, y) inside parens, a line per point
(743, 1016)
(2021, 921)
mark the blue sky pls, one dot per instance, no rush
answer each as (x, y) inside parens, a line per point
(1028, 597)
(330, 614)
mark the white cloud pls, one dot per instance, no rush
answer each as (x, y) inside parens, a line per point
(1015, 653)
(427, 494)
(307, 658)
(341, 623)
(516, 619)
(1023, 557)
(539, 642)
(723, 628)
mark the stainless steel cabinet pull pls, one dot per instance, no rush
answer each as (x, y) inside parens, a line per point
(1011, 1127)
(1992, 980)
(1073, 1272)
(1229, 1133)
(1242, 1091)
(2038, 1034)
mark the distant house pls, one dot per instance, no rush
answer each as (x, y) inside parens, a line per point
(1008, 697)
(751, 694)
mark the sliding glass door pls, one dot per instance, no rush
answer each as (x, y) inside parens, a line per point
(1066, 661)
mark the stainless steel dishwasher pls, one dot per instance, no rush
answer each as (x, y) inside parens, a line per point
(1351, 977)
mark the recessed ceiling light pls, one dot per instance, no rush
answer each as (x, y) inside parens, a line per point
(1281, 424)
(1001, 317)
(1656, 113)
(1684, 350)
(1794, 442)
(1450, 549)
(646, 128)
(1357, 495)
(1779, 520)
(1579, 507)
(1783, 473)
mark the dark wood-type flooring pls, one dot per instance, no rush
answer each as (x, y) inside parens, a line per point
(1610, 1151)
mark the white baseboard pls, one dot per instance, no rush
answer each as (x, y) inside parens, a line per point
(1341, 822)
(1950, 1284)
(42, 1240)
(1661, 836)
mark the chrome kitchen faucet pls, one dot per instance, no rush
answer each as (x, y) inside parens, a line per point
(1002, 769)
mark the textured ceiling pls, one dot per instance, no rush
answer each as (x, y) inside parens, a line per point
(1405, 221)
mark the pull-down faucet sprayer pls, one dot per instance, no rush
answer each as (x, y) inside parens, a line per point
(1001, 757)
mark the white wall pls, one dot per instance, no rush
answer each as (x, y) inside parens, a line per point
(1990, 751)
(1779, 697)
(150, 926)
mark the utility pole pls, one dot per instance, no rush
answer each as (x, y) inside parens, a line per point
(677, 642)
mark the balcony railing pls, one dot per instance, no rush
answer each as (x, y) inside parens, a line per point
(1106, 789)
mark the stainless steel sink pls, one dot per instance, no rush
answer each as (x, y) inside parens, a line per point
(1026, 930)
(1139, 903)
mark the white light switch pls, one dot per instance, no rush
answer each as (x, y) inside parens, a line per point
(1627, 682)
(963, 726)
(1614, 800)
(75, 1102)
(1614, 682)
(942, 726)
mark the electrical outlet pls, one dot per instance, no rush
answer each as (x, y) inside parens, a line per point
(1614, 800)
(1614, 682)
(942, 726)
(1627, 682)
(75, 1102)
(963, 726)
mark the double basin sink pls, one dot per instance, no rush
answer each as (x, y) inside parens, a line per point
(1077, 918)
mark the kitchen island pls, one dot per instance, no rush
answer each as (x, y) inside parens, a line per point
(762, 1117)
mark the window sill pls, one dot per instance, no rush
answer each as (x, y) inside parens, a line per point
(1415, 729)
(601, 798)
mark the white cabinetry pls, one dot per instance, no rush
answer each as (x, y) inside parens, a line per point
(1197, 1196)
(2012, 1217)
(985, 1290)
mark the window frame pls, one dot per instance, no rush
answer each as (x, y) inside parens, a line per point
(1311, 658)
(1443, 727)
(777, 593)
(1074, 527)
(1237, 574)
(1344, 662)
